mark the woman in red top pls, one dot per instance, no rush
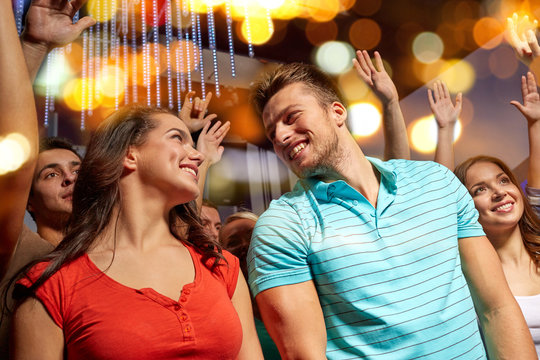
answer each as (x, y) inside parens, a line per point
(136, 276)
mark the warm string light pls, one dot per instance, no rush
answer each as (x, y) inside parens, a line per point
(146, 56)
(48, 89)
(270, 22)
(201, 66)
(91, 71)
(134, 53)
(251, 53)
(212, 45)
(115, 51)
(230, 36)
(179, 59)
(168, 39)
(194, 35)
(84, 80)
(156, 50)
(97, 48)
(125, 29)
(188, 45)
(105, 37)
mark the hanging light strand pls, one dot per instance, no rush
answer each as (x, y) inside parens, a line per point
(134, 54)
(84, 80)
(230, 37)
(125, 52)
(91, 72)
(155, 32)
(248, 29)
(19, 14)
(146, 56)
(179, 59)
(201, 64)
(212, 43)
(168, 39)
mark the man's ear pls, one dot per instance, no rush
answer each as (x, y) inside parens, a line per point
(29, 206)
(130, 160)
(339, 112)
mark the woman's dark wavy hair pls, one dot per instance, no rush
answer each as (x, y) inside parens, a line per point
(529, 223)
(96, 193)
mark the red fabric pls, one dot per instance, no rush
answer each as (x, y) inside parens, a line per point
(103, 319)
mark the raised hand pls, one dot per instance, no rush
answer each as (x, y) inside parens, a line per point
(209, 142)
(49, 23)
(521, 36)
(375, 76)
(531, 99)
(194, 110)
(445, 112)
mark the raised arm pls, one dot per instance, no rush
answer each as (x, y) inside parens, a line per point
(49, 24)
(446, 114)
(193, 112)
(505, 331)
(520, 33)
(209, 144)
(294, 319)
(396, 143)
(18, 115)
(531, 111)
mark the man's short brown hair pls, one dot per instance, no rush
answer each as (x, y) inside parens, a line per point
(322, 86)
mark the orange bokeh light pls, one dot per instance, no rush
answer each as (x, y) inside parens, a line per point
(320, 32)
(365, 34)
(485, 32)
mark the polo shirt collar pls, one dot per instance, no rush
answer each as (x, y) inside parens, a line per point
(325, 191)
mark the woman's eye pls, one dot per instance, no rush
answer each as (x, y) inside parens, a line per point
(505, 180)
(478, 190)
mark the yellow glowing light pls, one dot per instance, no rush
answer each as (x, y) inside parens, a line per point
(364, 119)
(423, 134)
(354, 88)
(346, 4)
(288, 10)
(427, 47)
(334, 57)
(111, 82)
(271, 4)
(486, 32)
(184, 50)
(254, 9)
(322, 10)
(14, 152)
(259, 30)
(73, 94)
(367, 7)
(459, 75)
(101, 16)
(59, 72)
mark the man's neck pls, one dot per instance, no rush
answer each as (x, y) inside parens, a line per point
(52, 235)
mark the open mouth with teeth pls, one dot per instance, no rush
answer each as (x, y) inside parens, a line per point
(189, 170)
(296, 150)
(504, 208)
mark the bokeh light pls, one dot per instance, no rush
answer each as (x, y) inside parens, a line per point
(73, 94)
(184, 48)
(423, 134)
(287, 11)
(318, 33)
(111, 81)
(487, 31)
(60, 71)
(96, 8)
(354, 89)
(364, 119)
(502, 62)
(427, 47)
(346, 4)
(459, 75)
(322, 10)
(334, 57)
(259, 28)
(365, 34)
(366, 7)
(271, 4)
(14, 152)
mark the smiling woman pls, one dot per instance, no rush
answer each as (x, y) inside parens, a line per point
(135, 236)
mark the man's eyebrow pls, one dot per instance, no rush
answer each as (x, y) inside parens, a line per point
(184, 134)
(75, 163)
(281, 113)
(48, 166)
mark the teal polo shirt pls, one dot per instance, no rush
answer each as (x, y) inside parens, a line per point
(389, 278)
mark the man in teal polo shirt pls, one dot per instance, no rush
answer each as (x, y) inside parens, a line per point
(370, 259)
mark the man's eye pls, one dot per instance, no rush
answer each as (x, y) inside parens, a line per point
(51, 175)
